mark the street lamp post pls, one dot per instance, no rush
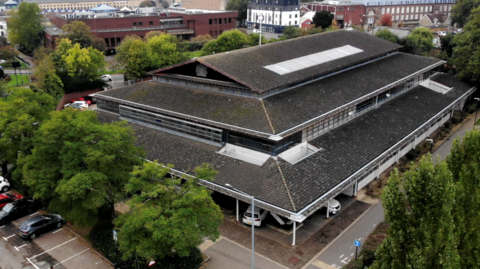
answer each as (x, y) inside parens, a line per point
(476, 110)
(253, 221)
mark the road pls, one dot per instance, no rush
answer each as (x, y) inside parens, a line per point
(228, 254)
(342, 249)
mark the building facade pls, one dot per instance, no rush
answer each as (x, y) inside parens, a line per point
(206, 4)
(114, 27)
(292, 127)
(81, 4)
(273, 15)
(345, 12)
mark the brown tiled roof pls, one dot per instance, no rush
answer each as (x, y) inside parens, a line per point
(438, 16)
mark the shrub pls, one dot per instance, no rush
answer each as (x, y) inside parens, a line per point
(412, 154)
(193, 261)
(471, 108)
(368, 257)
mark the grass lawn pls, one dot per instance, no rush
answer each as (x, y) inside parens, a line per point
(13, 81)
(193, 54)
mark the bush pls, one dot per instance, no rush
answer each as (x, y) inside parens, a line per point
(368, 257)
(193, 261)
(412, 154)
(472, 108)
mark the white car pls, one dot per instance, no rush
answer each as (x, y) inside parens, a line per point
(442, 33)
(335, 206)
(106, 78)
(4, 184)
(259, 216)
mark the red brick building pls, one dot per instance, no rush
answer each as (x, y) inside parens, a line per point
(407, 13)
(345, 12)
(114, 27)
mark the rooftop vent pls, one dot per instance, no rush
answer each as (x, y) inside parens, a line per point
(298, 153)
(244, 154)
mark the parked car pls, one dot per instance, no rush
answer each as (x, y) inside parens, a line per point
(4, 184)
(259, 216)
(106, 78)
(442, 33)
(8, 198)
(40, 224)
(17, 209)
(78, 106)
(335, 206)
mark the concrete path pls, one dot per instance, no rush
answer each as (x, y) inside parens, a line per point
(444, 149)
(338, 253)
(227, 254)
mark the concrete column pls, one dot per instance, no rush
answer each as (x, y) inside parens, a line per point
(355, 188)
(294, 232)
(328, 209)
(237, 211)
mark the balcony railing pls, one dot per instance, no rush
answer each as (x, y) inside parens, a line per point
(140, 28)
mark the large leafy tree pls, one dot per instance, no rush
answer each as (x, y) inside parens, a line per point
(79, 32)
(135, 56)
(466, 53)
(240, 6)
(463, 161)
(290, 32)
(25, 26)
(386, 20)
(80, 165)
(20, 117)
(47, 79)
(462, 9)
(387, 35)
(227, 41)
(420, 41)
(165, 50)
(418, 208)
(168, 215)
(323, 19)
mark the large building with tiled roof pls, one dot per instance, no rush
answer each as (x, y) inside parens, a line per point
(293, 123)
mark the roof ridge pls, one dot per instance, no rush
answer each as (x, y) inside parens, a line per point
(266, 115)
(285, 185)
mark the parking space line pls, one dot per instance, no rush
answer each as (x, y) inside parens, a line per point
(57, 230)
(17, 248)
(53, 248)
(72, 257)
(6, 238)
(36, 267)
(34, 213)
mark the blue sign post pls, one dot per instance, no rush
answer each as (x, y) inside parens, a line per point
(357, 244)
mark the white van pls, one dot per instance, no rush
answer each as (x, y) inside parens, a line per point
(259, 216)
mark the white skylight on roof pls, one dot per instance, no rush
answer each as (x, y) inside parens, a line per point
(298, 153)
(244, 154)
(304, 62)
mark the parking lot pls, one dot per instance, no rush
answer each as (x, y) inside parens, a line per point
(59, 248)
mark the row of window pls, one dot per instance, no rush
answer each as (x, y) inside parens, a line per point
(327, 124)
(352, 8)
(394, 3)
(219, 21)
(416, 9)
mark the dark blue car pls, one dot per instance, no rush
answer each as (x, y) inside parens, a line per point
(40, 224)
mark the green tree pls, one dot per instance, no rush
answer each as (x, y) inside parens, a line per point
(387, 35)
(466, 53)
(47, 79)
(20, 116)
(463, 161)
(77, 32)
(135, 56)
(420, 40)
(447, 45)
(71, 61)
(25, 26)
(80, 165)
(227, 41)
(165, 50)
(418, 208)
(462, 9)
(323, 19)
(254, 39)
(146, 4)
(290, 32)
(168, 215)
(240, 6)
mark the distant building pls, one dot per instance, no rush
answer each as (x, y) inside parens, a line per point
(435, 20)
(113, 27)
(346, 12)
(80, 4)
(274, 15)
(10, 4)
(205, 4)
(3, 28)
(306, 19)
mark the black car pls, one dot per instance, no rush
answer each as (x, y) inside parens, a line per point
(40, 224)
(17, 209)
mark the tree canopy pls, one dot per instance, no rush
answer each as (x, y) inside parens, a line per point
(79, 32)
(386, 20)
(420, 40)
(418, 207)
(387, 35)
(227, 41)
(466, 53)
(20, 116)
(462, 9)
(240, 6)
(323, 19)
(290, 32)
(146, 4)
(25, 26)
(168, 215)
(47, 78)
(79, 164)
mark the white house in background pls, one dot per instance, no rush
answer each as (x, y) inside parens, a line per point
(3, 28)
(274, 15)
